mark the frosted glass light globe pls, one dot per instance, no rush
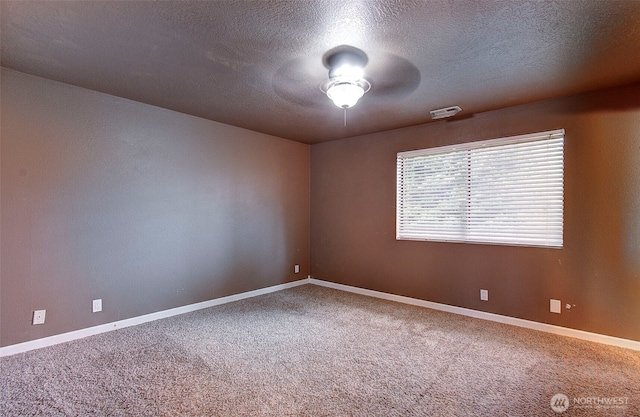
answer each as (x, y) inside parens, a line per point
(346, 94)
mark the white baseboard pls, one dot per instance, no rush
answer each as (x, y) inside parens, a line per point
(90, 331)
(549, 328)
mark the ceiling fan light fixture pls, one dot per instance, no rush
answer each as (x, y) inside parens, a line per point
(346, 84)
(345, 94)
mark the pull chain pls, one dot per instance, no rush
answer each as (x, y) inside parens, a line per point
(345, 116)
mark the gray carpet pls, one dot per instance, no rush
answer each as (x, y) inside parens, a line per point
(313, 351)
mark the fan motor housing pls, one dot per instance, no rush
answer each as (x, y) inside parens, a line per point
(344, 55)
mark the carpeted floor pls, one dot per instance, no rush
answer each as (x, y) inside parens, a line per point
(313, 351)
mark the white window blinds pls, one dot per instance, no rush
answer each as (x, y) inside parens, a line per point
(501, 191)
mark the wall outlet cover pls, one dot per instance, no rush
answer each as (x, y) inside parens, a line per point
(39, 316)
(555, 306)
(97, 305)
(484, 295)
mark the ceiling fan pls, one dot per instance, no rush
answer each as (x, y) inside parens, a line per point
(346, 84)
(351, 73)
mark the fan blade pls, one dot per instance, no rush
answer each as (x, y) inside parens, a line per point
(392, 77)
(299, 80)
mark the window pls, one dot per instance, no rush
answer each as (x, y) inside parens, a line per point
(502, 191)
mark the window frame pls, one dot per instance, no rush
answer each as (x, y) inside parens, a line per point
(462, 235)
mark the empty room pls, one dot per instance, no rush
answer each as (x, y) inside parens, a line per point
(320, 208)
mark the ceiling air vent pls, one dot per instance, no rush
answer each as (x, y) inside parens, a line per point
(446, 112)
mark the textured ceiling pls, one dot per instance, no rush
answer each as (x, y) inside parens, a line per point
(259, 64)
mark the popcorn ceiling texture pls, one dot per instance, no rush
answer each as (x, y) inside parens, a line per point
(313, 351)
(258, 64)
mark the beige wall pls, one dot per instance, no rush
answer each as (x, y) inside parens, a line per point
(598, 270)
(143, 207)
(150, 209)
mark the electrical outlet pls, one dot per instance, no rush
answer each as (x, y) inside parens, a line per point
(296, 269)
(97, 305)
(39, 316)
(555, 306)
(484, 295)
